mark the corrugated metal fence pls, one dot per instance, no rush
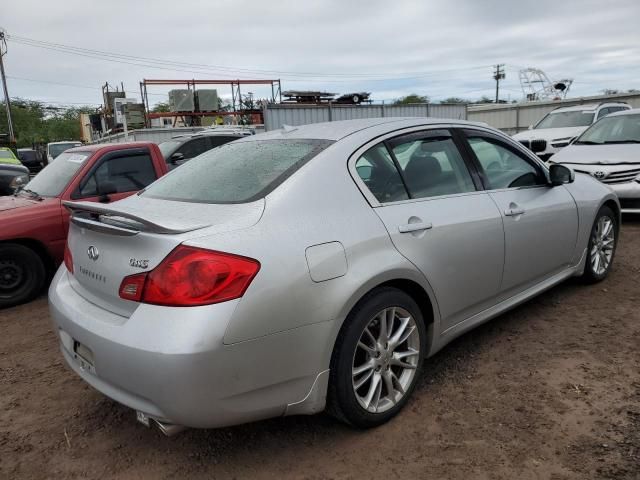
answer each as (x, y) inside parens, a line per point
(277, 115)
(514, 117)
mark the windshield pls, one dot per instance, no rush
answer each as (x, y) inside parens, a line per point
(57, 148)
(236, 172)
(6, 156)
(168, 147)
(566, 119)
(27, 155)
(54, 178)
(616, 129)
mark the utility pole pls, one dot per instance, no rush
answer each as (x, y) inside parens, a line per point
(3, 51)
(498, 75)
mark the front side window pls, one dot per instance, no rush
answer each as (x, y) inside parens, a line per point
(167, 148)
(128, 173)
(503, 168)
(576, 118)
(237, 172)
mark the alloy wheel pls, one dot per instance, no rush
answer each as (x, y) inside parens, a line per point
(602, 245)
(385, 360)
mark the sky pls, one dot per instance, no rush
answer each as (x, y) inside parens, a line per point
(389, 48)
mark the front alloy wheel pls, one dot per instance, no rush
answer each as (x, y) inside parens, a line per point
(602, 243)
(602, 246)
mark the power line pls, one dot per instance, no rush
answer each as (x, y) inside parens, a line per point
(72, 85)
(203, 68)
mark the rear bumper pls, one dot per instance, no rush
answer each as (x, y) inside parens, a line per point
(172, 363)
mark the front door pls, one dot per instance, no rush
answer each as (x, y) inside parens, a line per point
(540, 221)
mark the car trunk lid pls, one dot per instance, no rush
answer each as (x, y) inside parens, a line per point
(110, 242)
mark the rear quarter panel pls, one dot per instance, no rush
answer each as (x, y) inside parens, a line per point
(317, 205)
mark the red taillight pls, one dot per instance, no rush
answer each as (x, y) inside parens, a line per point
(191, 276)
(68, 258)
(132, 286)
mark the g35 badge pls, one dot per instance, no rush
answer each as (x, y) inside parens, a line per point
(134, 262)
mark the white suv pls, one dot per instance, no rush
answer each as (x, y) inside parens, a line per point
(558, 128)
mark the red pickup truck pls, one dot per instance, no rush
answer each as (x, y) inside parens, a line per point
(34, 224)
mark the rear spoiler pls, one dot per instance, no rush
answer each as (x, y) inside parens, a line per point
(97, 216)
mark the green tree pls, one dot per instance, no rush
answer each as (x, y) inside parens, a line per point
(411, 98)
(161, 107)
(454, 100)
(35, 122)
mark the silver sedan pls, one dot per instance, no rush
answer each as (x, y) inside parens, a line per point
(316, 267)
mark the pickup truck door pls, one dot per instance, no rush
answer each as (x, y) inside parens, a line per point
(122, 172)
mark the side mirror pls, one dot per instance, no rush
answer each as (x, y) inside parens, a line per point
(559, 175)
(530, 127)
(104, 190)
(176, 157)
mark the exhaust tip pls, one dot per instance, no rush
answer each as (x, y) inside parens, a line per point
(169, 429)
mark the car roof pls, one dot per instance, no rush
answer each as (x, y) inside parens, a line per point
(64, 141)
(343, 128)
(109, 146)
(633, 111)
(589, 107)
(212, 133)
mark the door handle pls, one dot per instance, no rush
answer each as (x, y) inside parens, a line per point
(414, 227)
(512, 212)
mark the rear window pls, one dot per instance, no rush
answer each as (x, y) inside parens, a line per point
(236, 172)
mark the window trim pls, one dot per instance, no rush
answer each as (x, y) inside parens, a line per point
(132, 152)
(420, 131)
(514, 147)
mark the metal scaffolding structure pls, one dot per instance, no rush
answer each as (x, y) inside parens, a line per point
(237, 107)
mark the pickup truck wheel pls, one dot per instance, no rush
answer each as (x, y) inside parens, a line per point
(22, 274)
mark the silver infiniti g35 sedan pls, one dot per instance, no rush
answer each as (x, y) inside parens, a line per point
(316, 267)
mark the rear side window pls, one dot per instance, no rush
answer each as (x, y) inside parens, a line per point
(377, 170)
(128, 173)
(195, 147)
(432, 167)
(237, 172)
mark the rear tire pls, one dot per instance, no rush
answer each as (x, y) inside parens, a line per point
(22, 274)
(601, 248)
(389, 359)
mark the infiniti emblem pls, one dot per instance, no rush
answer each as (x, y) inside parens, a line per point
(93, 253)
(599, 174)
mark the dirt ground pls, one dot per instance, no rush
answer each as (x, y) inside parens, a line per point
(548, 391)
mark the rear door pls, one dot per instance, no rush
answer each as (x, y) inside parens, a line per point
(438, 218)
(540, 221)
